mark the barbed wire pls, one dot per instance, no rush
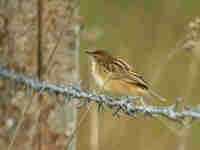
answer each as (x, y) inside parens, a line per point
(118, 105)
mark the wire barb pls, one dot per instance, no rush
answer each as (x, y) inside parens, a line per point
(123, 104)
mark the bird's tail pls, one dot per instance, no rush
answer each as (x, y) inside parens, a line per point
(154, 94)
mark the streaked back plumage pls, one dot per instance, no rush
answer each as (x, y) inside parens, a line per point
(120, 69)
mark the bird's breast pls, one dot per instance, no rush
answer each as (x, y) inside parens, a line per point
(95, 72)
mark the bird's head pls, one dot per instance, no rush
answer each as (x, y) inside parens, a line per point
(100, 56)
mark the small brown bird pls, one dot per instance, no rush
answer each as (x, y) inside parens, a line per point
(118, 77)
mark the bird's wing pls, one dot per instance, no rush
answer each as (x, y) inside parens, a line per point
(123, 71)
(135, 78)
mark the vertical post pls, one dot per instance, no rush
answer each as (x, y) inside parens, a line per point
(39, 34)
(59, 44)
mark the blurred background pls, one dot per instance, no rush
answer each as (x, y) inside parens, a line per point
(157, 38)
